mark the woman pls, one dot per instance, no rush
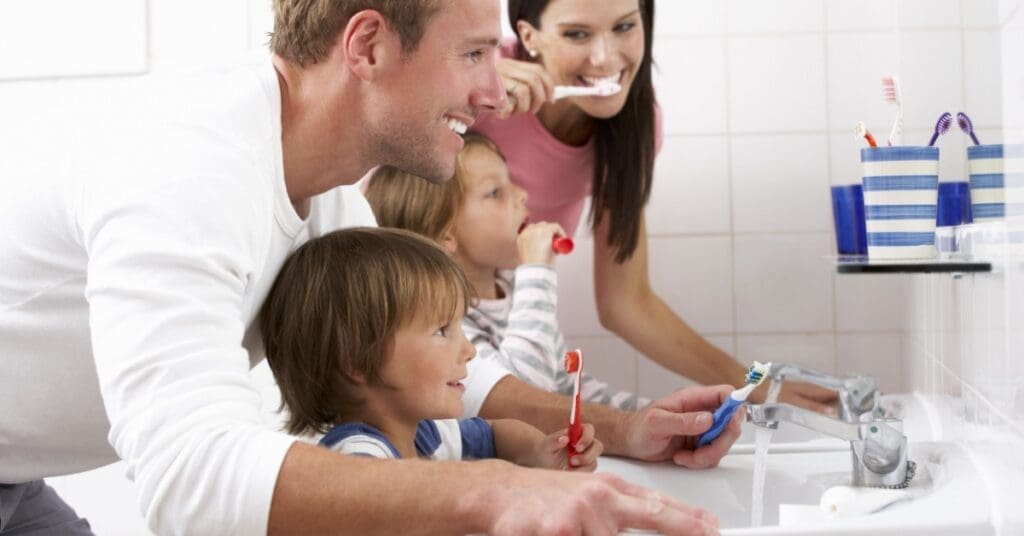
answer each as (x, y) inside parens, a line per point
(562, 151)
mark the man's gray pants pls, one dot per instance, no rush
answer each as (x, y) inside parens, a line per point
(35, 509)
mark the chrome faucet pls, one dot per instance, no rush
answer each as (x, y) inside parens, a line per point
(858, 395)
(878, 446)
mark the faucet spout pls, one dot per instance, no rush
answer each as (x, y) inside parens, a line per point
(858, 395)
(769, 415)
(878, 446)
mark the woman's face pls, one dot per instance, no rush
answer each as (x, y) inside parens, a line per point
(582, 42)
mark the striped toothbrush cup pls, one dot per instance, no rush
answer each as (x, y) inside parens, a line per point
(997, 181)
(900, 201)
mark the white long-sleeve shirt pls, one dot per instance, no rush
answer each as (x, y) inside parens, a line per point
(520, 331)
(134, 258)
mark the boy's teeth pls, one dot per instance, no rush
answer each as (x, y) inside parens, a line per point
(457, 126)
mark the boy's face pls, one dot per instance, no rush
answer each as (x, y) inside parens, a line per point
(424, 371)
(493, 210)
(438, 89)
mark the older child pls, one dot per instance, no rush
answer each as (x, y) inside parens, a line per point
(480, 218)
(362, 331)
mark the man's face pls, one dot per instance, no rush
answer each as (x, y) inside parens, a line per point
(438, 90)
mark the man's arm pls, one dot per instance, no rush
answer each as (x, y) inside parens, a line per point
(667, 429)
(322, 492)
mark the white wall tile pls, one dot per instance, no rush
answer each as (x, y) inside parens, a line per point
(876, 354)
(691, 187)
(577, 310)
(656, 381)
(980, 13)
(759, 16)
(862, 15)
(261, 22)
(928, 13)
(777, 84)
(609, 359)
(85, 39)
(780, 183)
(180, 39)
(692, 276)
(783, 283)
(844, 162)
(689, 78)
(856, 64)
(682, 18)
(983, 88)
(815, 351)
(931, 75)
(871, 302)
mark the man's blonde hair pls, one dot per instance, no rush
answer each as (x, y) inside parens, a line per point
(305, 30)
(405, 201)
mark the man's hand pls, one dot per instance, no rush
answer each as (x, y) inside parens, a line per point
(669, 428)
(531, 501)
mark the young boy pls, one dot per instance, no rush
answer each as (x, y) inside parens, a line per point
(480, 218)
(362, 331)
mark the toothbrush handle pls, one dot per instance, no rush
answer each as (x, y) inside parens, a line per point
(563, 245)
(932, 141)
(974, 138)
(575, 432)
(722, 417)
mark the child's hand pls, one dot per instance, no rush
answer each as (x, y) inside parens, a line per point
(552, 450)
(535, 243)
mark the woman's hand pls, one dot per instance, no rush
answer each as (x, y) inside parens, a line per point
(552, 450)
(528, 86)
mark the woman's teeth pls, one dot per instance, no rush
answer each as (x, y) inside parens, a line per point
(596, 81)
(457, 126)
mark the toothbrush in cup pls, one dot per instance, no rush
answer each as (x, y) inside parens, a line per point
(601, 89)
(862, 132)
(574, 365)
(892, 94)
(967, 126)
(755, 375)
(941, 127)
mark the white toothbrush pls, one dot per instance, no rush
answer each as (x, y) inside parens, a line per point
(892, 94)
(602, 89)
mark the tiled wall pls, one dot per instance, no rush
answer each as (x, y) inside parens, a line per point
(760, 98)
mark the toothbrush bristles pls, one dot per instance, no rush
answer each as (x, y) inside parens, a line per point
(757, 372)
(572, 361)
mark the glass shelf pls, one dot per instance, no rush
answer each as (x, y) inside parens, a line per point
(857, 264)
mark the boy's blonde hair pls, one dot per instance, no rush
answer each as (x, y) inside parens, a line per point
(305, 30)
(405, 201)
(331, 316)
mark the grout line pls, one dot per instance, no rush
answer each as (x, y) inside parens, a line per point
(734, 312)
(828, 166)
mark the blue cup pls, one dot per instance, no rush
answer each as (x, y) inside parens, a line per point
(954, 206)
(848, 215)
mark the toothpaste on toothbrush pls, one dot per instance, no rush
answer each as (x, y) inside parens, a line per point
(755, 375)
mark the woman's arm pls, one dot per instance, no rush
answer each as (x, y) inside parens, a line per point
(629, 307)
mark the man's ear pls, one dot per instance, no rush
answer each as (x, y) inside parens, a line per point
(366, 43)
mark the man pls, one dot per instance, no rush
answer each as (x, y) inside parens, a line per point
(136, 259)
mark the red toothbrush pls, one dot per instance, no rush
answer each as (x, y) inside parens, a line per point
(562, 245)
(574, 364)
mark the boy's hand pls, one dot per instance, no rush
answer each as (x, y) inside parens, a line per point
(535, 243)
(551, 451)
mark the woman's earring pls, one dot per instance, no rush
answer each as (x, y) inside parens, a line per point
(532, 53)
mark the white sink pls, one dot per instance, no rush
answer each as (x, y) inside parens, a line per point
(949, 496)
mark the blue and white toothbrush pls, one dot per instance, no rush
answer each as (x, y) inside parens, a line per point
(724, 413)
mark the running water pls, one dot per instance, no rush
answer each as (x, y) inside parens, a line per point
(761, 440)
